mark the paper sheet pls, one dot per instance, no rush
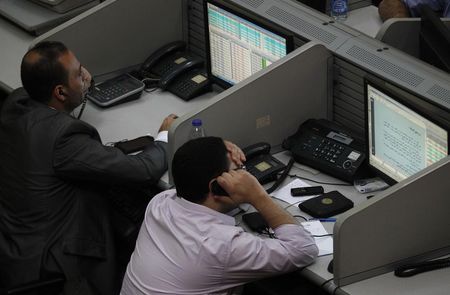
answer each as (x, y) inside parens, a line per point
(325, 244)
(284, 193)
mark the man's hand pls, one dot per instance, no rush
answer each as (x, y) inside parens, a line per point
(242, 186)
(167, 122)
(235, 153)
(392, 8)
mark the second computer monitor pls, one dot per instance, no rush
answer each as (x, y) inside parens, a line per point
(405, 134)
(239, 46)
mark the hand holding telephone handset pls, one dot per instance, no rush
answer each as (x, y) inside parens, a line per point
(260, 164)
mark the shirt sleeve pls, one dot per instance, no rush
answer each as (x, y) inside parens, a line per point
(253, 257)
(162, 136)
(80, 155)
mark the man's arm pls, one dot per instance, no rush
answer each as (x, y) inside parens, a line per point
(79, 155)
(392, 8)
(251, 257)
(244, 188)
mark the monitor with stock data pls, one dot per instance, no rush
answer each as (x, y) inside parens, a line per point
(238, 45)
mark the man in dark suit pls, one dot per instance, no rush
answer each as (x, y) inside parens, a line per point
(54, 217)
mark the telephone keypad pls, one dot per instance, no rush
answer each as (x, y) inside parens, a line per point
(325, 149)
(116, 90)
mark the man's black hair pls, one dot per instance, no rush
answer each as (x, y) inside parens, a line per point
(195, 164)
(41, 70)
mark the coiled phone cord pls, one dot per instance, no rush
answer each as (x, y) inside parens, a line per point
(282, 177)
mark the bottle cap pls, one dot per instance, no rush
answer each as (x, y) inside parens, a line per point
(197, 122)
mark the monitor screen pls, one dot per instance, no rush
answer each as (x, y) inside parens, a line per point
(401, 141)
(237, 47)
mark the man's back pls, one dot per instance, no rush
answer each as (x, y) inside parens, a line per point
(187, 248)
(38, 206)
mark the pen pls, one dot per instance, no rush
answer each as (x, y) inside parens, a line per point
(325, 219)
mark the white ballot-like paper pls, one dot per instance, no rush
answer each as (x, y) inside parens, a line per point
(325, 244)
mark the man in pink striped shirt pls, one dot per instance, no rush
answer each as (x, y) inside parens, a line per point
(188, 245)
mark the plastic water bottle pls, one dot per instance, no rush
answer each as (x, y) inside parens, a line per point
(197, 129)
(339, 9)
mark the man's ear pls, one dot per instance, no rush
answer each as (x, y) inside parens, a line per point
(59, 93)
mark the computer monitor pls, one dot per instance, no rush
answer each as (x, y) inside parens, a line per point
(405, 133)
(434, 40)
(237, 45)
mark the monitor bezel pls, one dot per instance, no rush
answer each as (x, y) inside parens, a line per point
(415, 103)
(246, 15)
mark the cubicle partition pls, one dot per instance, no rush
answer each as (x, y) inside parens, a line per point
(406, 223)
(268, 106)
(119, 34)
(355, 56)
(403, 34)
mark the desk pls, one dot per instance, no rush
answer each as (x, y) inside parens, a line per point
(365, 20)
(436, 282)
(14, 45)
(139, 117)
(317, 272)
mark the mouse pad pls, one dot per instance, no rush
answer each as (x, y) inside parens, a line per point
(326, 205)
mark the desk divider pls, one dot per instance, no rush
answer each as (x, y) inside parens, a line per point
(406, 223)
(403, 34)
(118, 34)
(269, 105)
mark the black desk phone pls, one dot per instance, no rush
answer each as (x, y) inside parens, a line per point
(260, 163)
(172, 68)
(324, 145)
(117, 90)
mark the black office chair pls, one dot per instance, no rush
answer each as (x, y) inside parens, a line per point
(52, 286)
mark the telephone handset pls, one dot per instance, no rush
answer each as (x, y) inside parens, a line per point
(260, 163)
(186, 66)
(172, 68)
(168, 49)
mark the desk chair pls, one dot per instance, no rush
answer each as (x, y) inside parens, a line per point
(49, 287)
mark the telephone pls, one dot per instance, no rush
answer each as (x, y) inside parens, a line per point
(172, 68)
(261, 164)
(324, 145)
(63, 6)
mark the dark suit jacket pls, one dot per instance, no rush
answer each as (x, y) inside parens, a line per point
(52, 218)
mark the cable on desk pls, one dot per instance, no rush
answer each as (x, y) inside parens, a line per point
(300, 216)
(285, 208)
(319, 182)
(282, 177)
(412, 269)
(320, 236)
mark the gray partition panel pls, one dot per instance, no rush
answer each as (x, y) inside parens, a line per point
(403, 34)
(120, 33)
(402, 224)
(356, 55)
(269, 105)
